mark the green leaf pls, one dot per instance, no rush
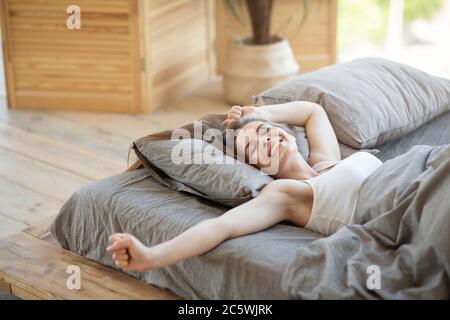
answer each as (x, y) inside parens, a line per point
(230, 5)
(305, 12)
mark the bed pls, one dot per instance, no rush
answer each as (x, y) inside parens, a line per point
(285, 261)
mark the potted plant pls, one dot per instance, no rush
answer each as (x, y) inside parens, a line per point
(261, 60)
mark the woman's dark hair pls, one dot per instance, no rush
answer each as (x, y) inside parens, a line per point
(210, 121)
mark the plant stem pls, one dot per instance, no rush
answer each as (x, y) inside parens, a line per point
(260, 13)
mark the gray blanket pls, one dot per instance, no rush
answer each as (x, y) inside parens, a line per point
(404, 216)
(403, 223)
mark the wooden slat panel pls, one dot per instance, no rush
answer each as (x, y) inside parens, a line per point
(121, 47)
(36, 59)
(97, 6)
(23, 38)
(31, 33)
(53, 67)
(80, 56)
(90, 23)
(78, 75)
(64, 100)
(68, 85)
(125, 51)
(57, 50)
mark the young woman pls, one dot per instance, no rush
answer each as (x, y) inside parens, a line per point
(319, 194)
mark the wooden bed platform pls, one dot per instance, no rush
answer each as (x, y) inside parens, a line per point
(33, 266)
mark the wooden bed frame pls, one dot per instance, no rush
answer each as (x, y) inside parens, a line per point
(33, 266)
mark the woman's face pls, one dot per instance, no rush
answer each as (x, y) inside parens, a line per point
(265, 146)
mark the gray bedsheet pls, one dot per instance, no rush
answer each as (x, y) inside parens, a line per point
(434, 133)
(403, 209)
(248, 267)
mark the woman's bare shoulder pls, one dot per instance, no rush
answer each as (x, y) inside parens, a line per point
(299, 196)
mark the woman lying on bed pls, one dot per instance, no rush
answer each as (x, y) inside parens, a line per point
(320, 194)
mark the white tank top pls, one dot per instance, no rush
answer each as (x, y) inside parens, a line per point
(336, 191)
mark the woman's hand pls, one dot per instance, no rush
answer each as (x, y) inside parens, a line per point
(129, 253)
(237, 112)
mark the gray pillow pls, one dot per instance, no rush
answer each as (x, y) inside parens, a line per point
(197, 167)
(369, 101)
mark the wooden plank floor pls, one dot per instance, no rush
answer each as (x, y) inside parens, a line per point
(46, 277)
(45, 156)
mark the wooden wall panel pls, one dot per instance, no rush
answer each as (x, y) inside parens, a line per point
(50, 66)
(180, 45)
(314, 44)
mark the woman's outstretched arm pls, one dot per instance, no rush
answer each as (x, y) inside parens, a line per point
(280, 200)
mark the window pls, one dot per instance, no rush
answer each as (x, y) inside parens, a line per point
(414, 32)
